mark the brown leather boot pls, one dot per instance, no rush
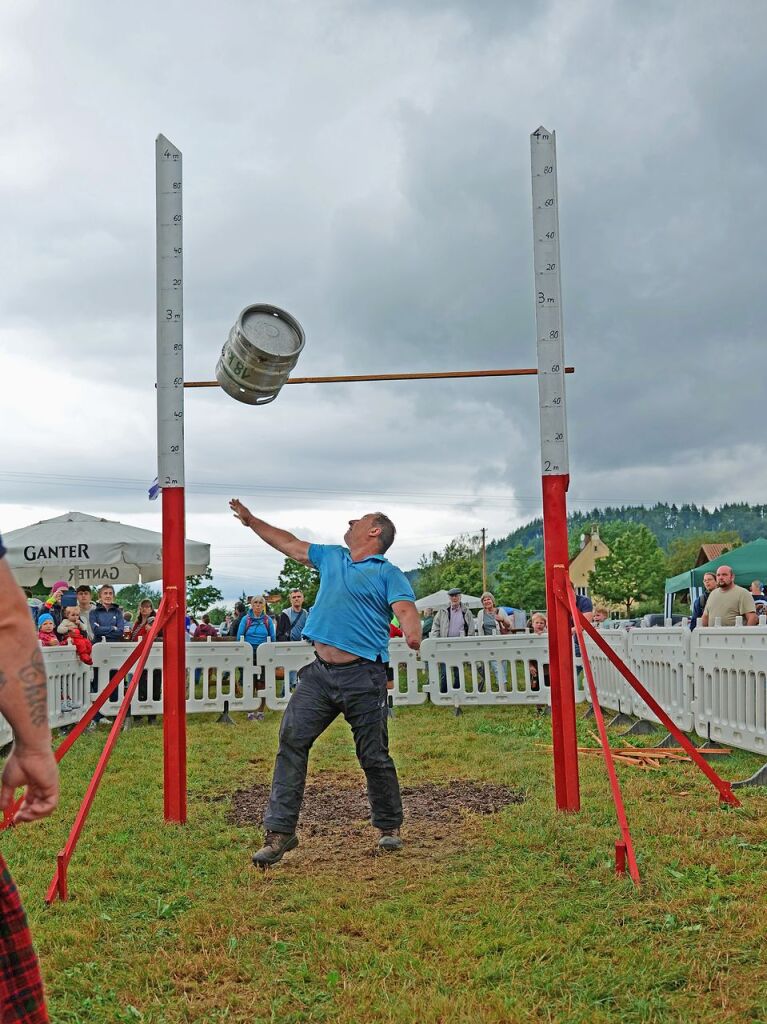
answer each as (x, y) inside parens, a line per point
(390, 840)
(276, 845)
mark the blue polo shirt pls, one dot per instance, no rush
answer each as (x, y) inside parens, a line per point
(352, 610)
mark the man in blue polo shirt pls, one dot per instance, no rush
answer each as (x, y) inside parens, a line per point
(359, 592)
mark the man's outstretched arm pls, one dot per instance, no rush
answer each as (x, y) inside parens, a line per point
(24, 702)
(283, 541)
(410, 622)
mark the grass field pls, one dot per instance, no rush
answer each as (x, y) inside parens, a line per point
(510, 917)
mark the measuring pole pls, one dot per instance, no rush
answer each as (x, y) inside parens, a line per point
(555, 467)
(170, 466)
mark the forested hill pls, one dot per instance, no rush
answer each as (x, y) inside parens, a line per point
(667, 522)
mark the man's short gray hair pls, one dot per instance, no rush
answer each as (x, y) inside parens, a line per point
(388, 531)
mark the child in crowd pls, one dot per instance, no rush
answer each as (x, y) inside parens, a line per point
(46, 630)
(538, 626)
(538, 623)
(71, 633)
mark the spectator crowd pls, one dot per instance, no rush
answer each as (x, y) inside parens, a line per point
(70, 616)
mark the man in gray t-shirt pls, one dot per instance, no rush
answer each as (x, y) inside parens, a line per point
(728, 601)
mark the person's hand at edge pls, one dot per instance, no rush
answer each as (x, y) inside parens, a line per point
(38, 771)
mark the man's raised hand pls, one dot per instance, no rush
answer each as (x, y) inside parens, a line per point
(240, 511)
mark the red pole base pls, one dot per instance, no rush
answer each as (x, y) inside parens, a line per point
(563, 729)
(174, 657)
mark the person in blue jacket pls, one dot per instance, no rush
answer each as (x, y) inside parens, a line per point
(257, 628)
(107, 618)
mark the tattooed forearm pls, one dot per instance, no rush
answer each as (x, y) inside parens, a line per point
(3, 679)
(35, 689)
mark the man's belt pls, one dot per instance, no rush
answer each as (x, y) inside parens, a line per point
(346, 664)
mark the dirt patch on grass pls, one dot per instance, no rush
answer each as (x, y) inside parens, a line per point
(332, 807)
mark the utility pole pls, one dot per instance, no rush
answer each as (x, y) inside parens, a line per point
(484, 561)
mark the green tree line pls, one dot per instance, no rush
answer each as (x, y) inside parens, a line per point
(667, 522)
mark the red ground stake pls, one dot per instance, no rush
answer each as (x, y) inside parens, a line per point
(567, 596)
(726, 794)
(58, 886)
(620, 858)
(61, 877)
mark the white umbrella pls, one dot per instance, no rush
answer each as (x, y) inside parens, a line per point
(441, 599)
(87, 549)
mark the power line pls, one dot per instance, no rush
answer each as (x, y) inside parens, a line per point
(202, 487)
(320, 493)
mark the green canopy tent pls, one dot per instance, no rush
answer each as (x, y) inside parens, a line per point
(748, 562)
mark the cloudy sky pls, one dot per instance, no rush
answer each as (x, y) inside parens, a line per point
(366, 166)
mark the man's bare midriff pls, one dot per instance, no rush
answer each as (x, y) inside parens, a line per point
(334, 654)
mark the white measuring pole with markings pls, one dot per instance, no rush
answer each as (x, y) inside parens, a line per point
(548, 305)
(170, 315)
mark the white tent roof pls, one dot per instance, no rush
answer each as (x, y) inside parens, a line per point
(441, 599)
(87, 549)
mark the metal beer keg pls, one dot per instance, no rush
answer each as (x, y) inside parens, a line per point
(261, 350)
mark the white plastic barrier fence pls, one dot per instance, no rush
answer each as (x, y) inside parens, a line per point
(218, 673)
(730, 667)
(713, 681)
(280, 664)
(405, 687)
(215, 673)
(108, 658)
(487, 669)
(612, 690)
(660, 659)
(68, 686)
